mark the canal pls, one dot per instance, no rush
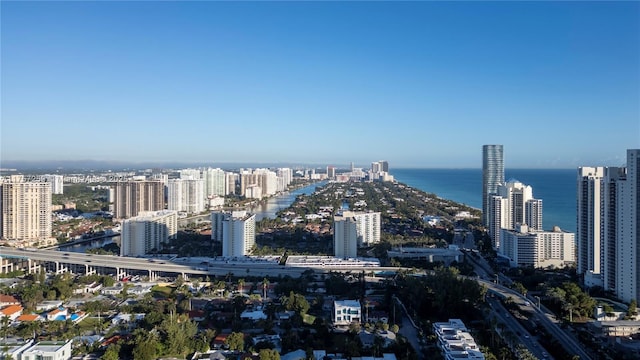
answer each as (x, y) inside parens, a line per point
(267, 209)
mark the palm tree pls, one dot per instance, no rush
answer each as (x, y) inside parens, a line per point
(240, 285)
(265, 283)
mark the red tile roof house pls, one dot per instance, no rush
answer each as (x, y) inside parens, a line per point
(6, 300)
(12, 312)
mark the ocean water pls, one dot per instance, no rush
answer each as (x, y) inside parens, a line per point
(556, 188)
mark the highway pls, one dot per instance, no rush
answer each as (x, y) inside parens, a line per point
(184, 266)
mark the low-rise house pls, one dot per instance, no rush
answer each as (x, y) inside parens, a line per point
(7, 300)
(254, 315)
(48, 305)
(346, 312)
(126, 318)
(455, 341)
(50, 350)
(58, 314)
(88, 288)
(11, 311)
(12, 350)
(29, 318)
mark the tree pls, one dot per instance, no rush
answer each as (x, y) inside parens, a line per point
(633, 308)
(265, 284)
(235, 341)
(112, 353)
(395, 328)
(269, 354)
(240, 285)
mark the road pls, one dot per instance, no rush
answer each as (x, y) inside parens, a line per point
(408, 330)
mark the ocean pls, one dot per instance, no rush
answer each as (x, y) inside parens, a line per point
(556, 188)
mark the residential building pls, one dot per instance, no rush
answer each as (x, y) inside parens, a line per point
(25, 209)
(367, 227)
(56, 182)
(345, 236)
(536, 248)
(612, 177)
(331, 172)
(186, 195)
(492, 176)
(589, 236)
(50, 350)
(455, 341)
(12, 312)
(238, 232)
(133, 197)
(628, 230)
(346, 312)
(513, 205)
(190, 174)
(148, 231)
(215, 182)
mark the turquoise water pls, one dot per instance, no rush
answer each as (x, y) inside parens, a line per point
(556, 188)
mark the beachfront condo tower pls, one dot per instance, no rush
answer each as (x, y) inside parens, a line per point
(492, 176)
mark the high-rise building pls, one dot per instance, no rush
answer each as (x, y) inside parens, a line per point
(345, 236)
(148, 231)
(384, 164)
(186, 195)
(367, 226)
(376, 167)
(537, 248)
(190, 174)
(215, 181)
(25, 209)
(589, 236)
(57, 183)
(132, 197)
(608, 214)
(628, 230)
(238, 233)
(492, 176)
(513, 205)
(331, 172)
(612, 177)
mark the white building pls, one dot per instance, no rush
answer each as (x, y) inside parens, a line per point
(589, 223)
(215, 182)
(345, 236)
(537, 248)
(190, 174)
(368, 228)
(25, 209)
(455, 341)
(49, 350)
(513, 205)
(346, 312)
(56, 181)
(628, 230)
(186, 195)
(148, 231)
(238, 233)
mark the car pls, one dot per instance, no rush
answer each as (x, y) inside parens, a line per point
(544, 354)
(526, 303)
(526, 336)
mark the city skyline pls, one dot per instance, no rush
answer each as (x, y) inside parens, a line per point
(418, 84)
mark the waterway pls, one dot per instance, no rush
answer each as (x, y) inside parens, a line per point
(267, 209)
(270, 208)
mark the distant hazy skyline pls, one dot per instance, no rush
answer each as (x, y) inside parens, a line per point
(420, 84)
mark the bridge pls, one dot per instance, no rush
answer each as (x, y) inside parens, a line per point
(33, 260)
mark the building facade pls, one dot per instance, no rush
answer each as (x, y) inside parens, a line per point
(186, 195)
(238, 233)
(536, 248)
(345, 236)
(147, 231)
(513, 205)
(589, 236)
(346, 312)
(133, 197)
(628, 230)
(25, 210)
(492, 175)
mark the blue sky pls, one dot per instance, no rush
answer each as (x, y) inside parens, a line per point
(420, 84)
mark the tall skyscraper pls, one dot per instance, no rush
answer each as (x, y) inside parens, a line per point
(148, 231)
(132, 197)
(25, 209)
(492, 176)
(186, 195)
(608, 214)
(628, 230)
(590, 202)
(57, 183)
(345, 236)
(331, 172)
(385, 165)
(238, 233)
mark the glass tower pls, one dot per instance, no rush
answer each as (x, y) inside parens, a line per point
(492, 175)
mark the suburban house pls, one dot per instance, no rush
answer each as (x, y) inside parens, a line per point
(346, 312)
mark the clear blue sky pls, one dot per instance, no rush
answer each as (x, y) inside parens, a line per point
(421, 84)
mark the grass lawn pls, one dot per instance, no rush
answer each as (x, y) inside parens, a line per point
(161, 291)
(90, 323)
(308, 319)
